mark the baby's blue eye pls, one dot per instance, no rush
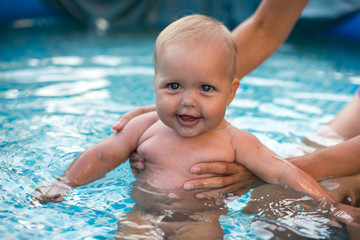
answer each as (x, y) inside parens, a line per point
(174, 86)
(206, 88)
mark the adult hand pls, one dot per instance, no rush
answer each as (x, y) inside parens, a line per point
(137, 163)
(124, 119)
(232, 179)
(346, 214)
(54, 193)
(345, 190)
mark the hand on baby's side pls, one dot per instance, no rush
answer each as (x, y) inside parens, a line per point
(54, 193)
(124, 119)
(231, 179)
(345, 189)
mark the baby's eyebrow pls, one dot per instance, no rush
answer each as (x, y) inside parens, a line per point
(208, 81)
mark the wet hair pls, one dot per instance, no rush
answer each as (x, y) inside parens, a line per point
(197, 29)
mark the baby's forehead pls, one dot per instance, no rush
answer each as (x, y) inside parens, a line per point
(213, 47)
(210, 59)
(218, 47)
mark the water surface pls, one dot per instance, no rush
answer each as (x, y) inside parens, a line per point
(61, 89)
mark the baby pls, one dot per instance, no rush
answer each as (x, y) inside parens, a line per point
(195, 61)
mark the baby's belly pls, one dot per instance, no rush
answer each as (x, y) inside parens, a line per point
(174, 202)
(167, 176)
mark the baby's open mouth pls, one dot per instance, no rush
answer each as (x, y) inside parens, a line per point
(188, 120)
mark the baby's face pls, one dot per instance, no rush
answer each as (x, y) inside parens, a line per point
(193, 86)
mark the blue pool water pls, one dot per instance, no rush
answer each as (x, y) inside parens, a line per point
(62, 87)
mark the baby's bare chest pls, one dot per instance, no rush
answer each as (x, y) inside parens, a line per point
(169, 157)
(168, 149)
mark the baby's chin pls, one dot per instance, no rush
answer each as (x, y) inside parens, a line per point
(187, 133)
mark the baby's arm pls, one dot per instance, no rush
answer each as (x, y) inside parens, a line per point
(98, 160)
(272, 168)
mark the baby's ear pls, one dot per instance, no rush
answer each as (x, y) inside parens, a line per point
(233, 88)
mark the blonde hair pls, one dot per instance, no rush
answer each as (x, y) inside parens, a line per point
(197, 29)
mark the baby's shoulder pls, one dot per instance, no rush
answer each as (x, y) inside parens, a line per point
(237, 132)
(241, 136)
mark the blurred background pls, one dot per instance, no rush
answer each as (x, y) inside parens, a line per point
(335, 17)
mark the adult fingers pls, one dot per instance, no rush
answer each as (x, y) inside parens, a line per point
(224, 168)
(123, 120)
(58, 199)
(137, 163)
(223, 193)
(135, 171)
(135, 157)
(220, 181)
(353, 199)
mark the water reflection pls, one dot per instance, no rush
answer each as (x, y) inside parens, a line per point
(275, 212)
(70, 88)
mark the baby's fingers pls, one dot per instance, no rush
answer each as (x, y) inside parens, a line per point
(60, 198)
(47, 194)
(36, 196)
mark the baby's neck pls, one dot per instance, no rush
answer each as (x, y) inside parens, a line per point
(222, 125)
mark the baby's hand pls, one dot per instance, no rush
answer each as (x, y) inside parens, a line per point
(54, 193)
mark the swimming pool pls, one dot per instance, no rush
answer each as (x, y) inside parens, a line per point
(61, 89)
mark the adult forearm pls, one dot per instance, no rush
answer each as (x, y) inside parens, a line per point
(337, 161)
(260, 36)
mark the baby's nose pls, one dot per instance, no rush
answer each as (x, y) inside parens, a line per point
(189, 100)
